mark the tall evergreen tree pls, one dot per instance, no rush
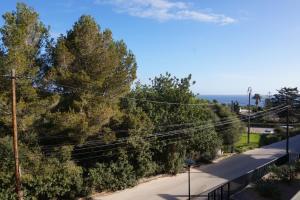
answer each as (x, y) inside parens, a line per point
(23, 37)
(91, 71)
(287, 96)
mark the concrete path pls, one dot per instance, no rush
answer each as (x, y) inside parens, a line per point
(206, 177)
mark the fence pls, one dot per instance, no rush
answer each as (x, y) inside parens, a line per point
(224, 191)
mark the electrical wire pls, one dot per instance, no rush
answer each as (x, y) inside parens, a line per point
(121, 140)
(170, 133)
(5, 112)
(164, 126)
(130, 98)
(106, 150)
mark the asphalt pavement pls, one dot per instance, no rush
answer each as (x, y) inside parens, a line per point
(204, 177)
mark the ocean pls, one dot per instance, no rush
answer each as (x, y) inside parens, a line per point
(226, 99)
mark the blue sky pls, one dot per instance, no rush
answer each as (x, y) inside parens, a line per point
(226, 45)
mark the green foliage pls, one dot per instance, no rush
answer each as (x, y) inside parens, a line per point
(230, 132)
(201, 145)
(267, 139)
(42, 178)
(235, 107)
(242, 145)
(51, 179)
(70, 92)
(297, 166)
(289, 97)
(279, 130)
(284, 173)
(102, 68)
(7, 183)
(7, 180)
(112, 176)
(257, 98)
(23, 37)
(268, 189)
(136, 126)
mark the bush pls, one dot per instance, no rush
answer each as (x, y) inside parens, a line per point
(7, 186)
(53, 180)
(268, 189)
(297, 166)
(113, 176)
(42, 178)
(7, 180)
(284, 173)
(279, 130)
(269, 139)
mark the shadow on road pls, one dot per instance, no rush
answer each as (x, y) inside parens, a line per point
(177, 197)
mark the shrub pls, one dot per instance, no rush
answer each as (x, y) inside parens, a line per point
(7, 181)
(42, 178)
(279, 130)
(7, 186)
(53, 180)
(297, 166)
(112, 176)
(269, 139)
(268, 189)
(285, 173)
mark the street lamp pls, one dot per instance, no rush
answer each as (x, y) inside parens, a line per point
(189, 162)
(287, 125)
(248, 135)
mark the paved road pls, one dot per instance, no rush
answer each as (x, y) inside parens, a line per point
(204, 178)
(261, 130)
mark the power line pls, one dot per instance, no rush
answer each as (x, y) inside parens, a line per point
(163, 126)
(161, 135)
(132, 150)
(157, 134)
(152, 135)
(5, 112)
(109, 155)
(130, 98)
(162, 140)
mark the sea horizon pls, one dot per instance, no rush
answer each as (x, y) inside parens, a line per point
(243, 100)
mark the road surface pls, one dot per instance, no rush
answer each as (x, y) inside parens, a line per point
(261, 130)
(205, 177)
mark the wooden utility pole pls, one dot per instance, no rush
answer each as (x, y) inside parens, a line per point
(15, 134)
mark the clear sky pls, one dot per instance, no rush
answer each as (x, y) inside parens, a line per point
(226, 45)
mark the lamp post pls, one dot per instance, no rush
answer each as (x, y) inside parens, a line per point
(249, 93)
(189, 162)
(287, 125)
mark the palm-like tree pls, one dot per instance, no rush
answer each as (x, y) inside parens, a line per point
(257, 98)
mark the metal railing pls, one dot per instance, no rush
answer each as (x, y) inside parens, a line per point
(224, 191)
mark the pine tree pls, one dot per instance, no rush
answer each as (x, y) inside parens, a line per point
(23, 38)
(91, 71)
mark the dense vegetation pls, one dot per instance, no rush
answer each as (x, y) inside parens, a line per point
(81, 126)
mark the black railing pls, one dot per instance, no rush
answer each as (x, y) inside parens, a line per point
(224, 191)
